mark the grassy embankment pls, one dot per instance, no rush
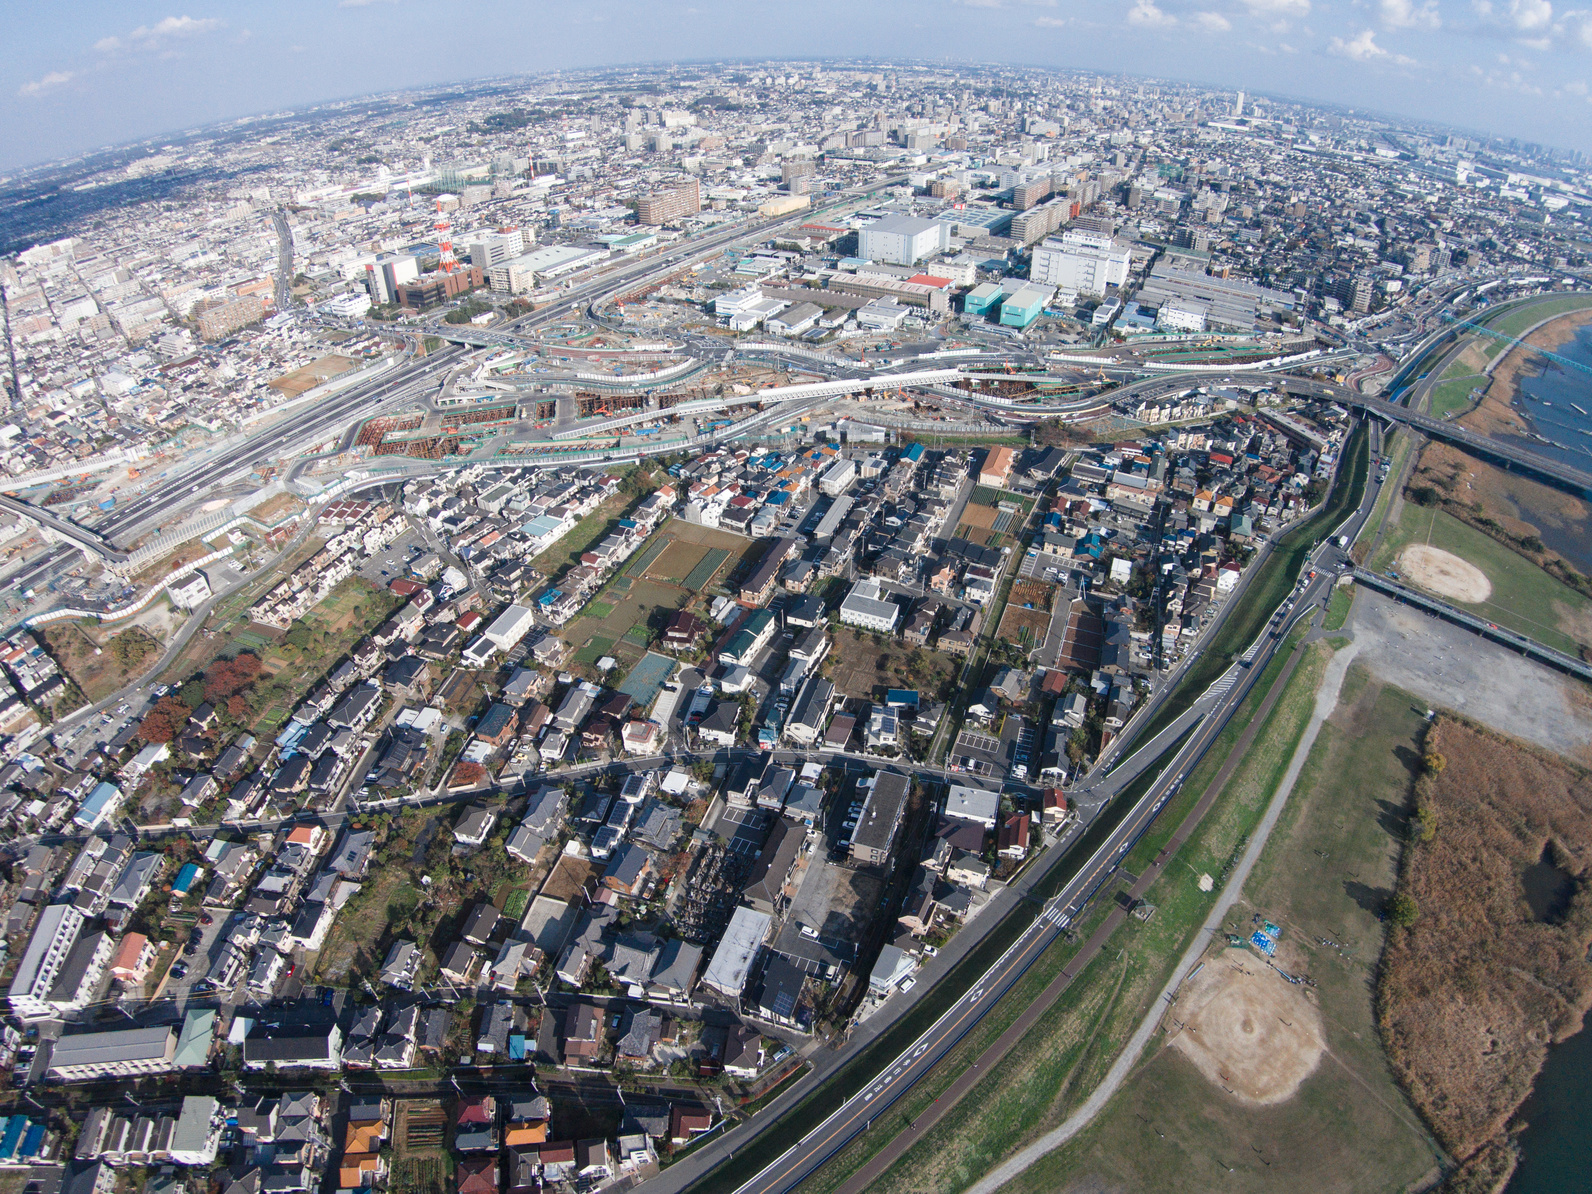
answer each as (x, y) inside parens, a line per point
(1324, 873)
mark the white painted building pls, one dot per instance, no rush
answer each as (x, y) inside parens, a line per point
(902, 240)
(865, 606)
(1079, 261)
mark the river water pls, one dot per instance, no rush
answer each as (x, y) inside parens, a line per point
(1556, 1147)
(1557, 402)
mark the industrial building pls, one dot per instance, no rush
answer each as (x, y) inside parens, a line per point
(903, 240)
(1026, 305)
(530, 270)
(1081, 262)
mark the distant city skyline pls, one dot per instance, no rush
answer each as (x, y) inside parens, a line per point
(100, 74)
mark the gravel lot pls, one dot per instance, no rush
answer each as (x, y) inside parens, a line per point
(1453, 668)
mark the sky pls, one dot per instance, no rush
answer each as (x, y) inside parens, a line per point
(92, 74)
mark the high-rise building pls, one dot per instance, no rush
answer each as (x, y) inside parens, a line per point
(224, 316)
(388, 272)
(660, 207)
(1238, 105)
(1082, 262)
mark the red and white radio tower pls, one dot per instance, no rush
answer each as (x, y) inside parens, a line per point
(445, 259)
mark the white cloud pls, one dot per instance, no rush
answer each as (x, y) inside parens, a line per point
(1146, 15)
(1278, 8)
(1052, 22)
(1363, 48)
(1408, 14)
(1213, 22)
(155, 37)
(1531, 15)
(1575, 87)
(50, 82)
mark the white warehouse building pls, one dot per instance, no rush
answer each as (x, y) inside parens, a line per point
(902, 240)
(1083, 262)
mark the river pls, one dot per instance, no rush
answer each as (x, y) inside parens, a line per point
(1549, 402)
(1556, 1147)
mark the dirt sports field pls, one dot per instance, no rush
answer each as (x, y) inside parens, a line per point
(1246, 1030)
(1444, 573)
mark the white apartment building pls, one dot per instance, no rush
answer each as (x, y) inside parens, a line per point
(1084, 262)
(865, 606)
(52, 941)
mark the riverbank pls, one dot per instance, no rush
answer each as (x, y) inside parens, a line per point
(1495, 414)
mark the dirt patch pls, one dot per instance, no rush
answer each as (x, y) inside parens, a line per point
(1450, 668)
(1444, 573)
(1495, 413)
(675, 562)
(1474, 991)
(1246, 1030)
(982, 517)
(301, 381)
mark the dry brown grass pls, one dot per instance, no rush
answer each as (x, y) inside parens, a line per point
(1472, 994)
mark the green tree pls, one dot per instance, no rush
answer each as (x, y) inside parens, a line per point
(1402, 910)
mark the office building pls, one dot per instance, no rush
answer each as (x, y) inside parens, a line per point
(660, 207)
(1081, 262)
(390, 271)
(431, 290)
(494, 248)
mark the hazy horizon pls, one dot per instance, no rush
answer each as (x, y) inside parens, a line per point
(104, 76)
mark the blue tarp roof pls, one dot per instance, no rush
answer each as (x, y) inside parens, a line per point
(185, 878)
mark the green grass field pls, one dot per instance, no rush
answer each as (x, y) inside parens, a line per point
(1384, 500)
(1454, 396)
(1524, 597)
(1338, 608)
(1329, 863)
(1517, 321)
